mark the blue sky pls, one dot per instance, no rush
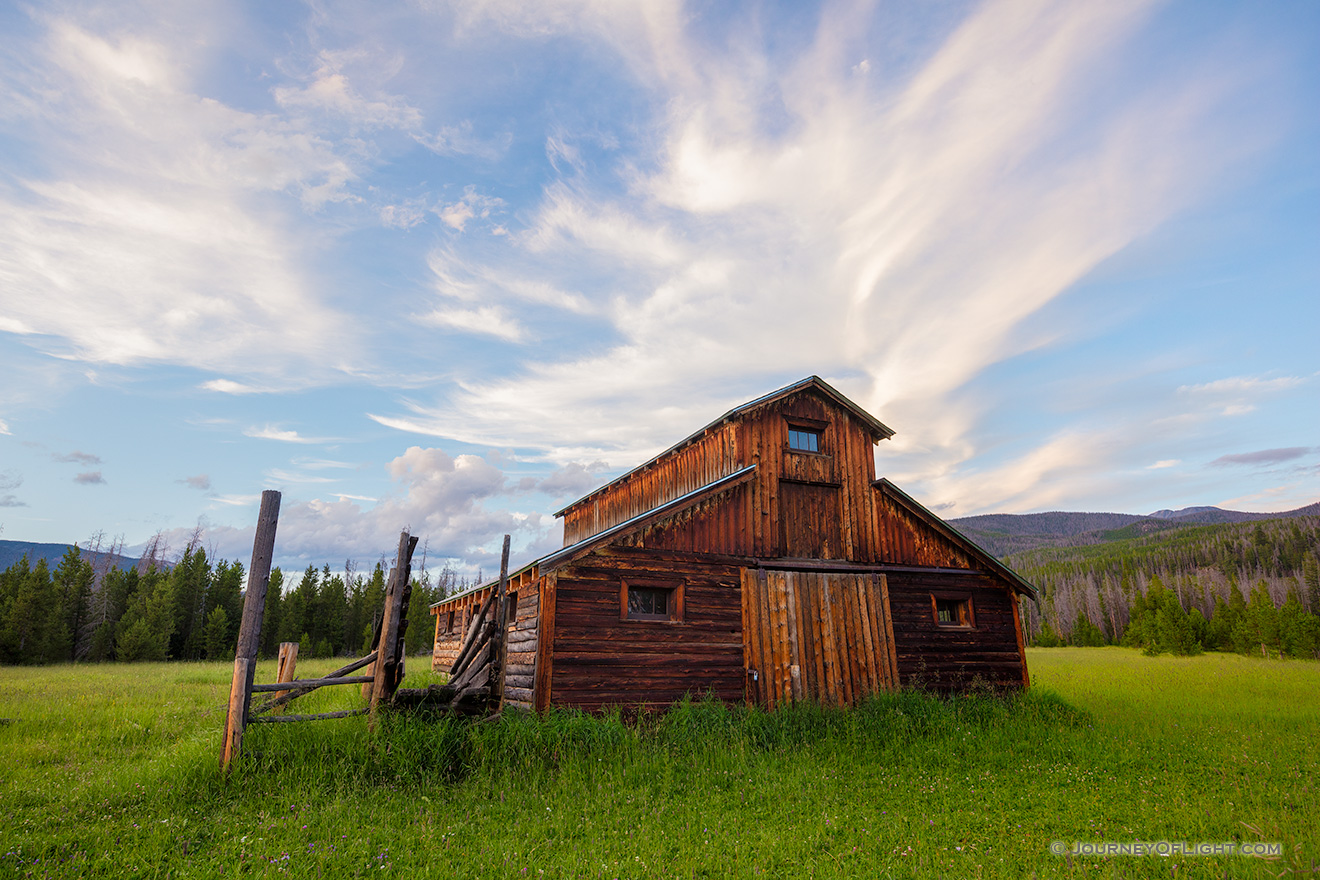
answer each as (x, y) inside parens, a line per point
(451, 265)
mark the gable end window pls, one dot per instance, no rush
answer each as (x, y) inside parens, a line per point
(651, 600)
(804, 439)
(952, 611)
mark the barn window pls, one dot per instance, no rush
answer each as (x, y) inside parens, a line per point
(804, 439)
(952, 610)
(651, 601)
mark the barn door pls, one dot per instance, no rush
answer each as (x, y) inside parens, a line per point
(823, 636)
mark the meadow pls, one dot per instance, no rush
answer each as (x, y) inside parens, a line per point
(111, 771)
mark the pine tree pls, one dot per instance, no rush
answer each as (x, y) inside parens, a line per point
(272, 614)
(1311, 575)
(145, 629)
(226, 592)
(190, 580)
(373, 603)
(73, 593)
(218, 644)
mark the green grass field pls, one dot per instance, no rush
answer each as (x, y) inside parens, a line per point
(112, 771)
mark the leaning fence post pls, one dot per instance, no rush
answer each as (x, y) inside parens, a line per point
(500, 639)
(249, 631)
(389, 627)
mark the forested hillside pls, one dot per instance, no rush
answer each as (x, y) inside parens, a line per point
(1253, 587)
(190, 609)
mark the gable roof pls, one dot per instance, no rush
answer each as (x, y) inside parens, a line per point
(669, 508)
(878, 430)
(966, 544)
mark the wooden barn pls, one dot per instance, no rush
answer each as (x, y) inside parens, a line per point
(760, 560)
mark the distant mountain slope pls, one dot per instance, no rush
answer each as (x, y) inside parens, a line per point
(1006, 533)
(12, 551)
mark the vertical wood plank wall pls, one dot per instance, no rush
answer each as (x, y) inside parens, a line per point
(703, 462)
(817, 636)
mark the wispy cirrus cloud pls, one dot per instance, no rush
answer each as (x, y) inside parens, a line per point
(797, 185)
(89, 478)
(274, 432)
(160, 233)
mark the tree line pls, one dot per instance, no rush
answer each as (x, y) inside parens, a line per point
(1253, 588)
(88, 609)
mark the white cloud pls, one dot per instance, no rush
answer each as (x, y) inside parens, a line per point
(328, 90)
(1165, 463)
(282, 476)
(438, 496)
(161, 232)
(272, 432)
(893, 235)
(228, 386)
(472, 205)
(1237, 386)
(4, 428)
(460, 140)
(488, 320)
(404, 216)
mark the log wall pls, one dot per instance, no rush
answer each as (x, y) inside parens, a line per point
(600, 660)
(944, 658)
(520, 668)
(449, 636)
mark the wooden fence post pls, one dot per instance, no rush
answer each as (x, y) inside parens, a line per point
(500, 638)
(389, 627)
(288, 662)
(249, 631)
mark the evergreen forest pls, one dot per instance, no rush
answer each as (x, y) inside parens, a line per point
(1251, 588)
(89, 608)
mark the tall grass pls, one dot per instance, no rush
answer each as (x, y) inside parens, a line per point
(112, 771)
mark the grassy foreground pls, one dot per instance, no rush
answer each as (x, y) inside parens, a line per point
(111, 771)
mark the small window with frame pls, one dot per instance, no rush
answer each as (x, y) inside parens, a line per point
(952, 610)
(651, 600)
(804, 439)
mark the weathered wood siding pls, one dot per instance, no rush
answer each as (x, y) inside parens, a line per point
(822, 636)
(943, 658)
(712, 456)
(839, 478)
(903, 539)
(799, 504)
(599, 660)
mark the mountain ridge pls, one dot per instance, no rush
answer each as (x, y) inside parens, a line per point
(1005, 533)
